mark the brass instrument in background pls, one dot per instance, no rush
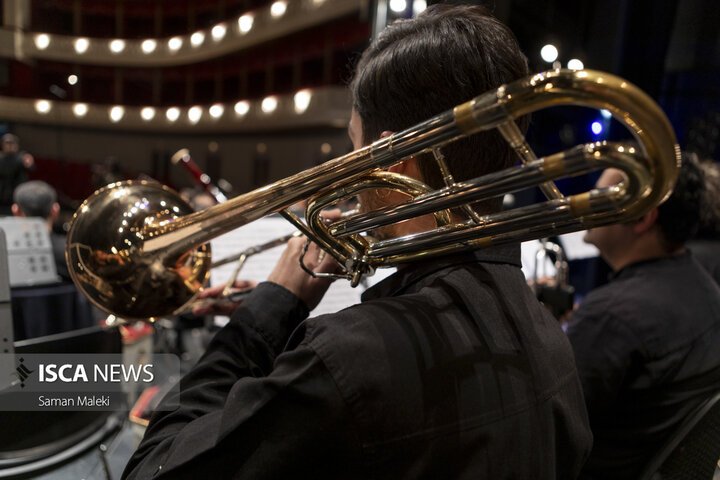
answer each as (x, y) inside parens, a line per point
(138, 251)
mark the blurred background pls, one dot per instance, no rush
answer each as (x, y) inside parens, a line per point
(255, 89)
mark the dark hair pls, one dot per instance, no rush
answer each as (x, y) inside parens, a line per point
(35, 198)
(421, 67)
(679, 215)
(710, 213)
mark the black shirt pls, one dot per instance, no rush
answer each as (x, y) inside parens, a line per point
(12, 174)
(707, 253)
(646, 347)
(448, 369)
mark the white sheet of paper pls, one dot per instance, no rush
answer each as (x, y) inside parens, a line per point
(258, 267)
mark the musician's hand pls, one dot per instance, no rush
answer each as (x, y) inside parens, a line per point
(216, 304)
(290, 275)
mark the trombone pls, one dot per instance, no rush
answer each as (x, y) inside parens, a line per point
(154, 257)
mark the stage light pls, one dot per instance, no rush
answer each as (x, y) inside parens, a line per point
(194, 114)
(197, 39)
(42, 41)
(398, 6)
(549, 53)
(217, 110)
(147, 113)
(172, 114)
(419, 6)
(174, 44)
(81, 45)
(269, 104)
(575, 64)
(72, 79)
(302, 100)
(218, 32)
(43, 106)
(80, 109)
(116, 113)
(242, 107)
(117, 45)
(278, 8)
(148, 46)
(245, 23)
(596, 128)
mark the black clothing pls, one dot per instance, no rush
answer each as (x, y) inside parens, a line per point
(58, 242)
(707, 253)
(646, 347)
(448, 369)
(12, 174)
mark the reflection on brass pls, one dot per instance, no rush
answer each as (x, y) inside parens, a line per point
(138, 251)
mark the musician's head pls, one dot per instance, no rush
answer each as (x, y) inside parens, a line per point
(35, 199)
(421, 67)
(662, 231)
(10, 143)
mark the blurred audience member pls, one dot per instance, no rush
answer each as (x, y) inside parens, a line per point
(705, 245)
(14, 165)
(38, 199)
(646, 343)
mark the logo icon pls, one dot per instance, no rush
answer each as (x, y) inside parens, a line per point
(22, 372)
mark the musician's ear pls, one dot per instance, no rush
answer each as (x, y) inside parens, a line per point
(408, 167)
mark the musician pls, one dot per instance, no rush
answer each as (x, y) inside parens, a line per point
(38, 199)
(14, 167)
(646, 343)
(705, 244)
(449, 368)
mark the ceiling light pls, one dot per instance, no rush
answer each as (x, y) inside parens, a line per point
(172, 113)
(398, 6)
(197, 39)
(549, 53)
(175, 43)
(218, 32)
(245, 23)
(80, 109)
(269, 104)
(42, 41)
(575, 64)
(278, 8)
(81, 45)
(148, 46)
(302, 100)
(43, 106)
(194, 114)
(116, 113)
(147, 113)
(242, 107)
(72, 79)
(419, 6)
(217, 110)
(117, 45)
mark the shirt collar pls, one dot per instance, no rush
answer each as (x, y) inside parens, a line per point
(630, 268)
(416, 271)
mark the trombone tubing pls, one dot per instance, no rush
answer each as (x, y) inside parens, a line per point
(588, 88)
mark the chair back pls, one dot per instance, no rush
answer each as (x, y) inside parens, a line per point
(692, 453)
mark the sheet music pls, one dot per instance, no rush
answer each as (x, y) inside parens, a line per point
(576, 248)
(258, 267)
